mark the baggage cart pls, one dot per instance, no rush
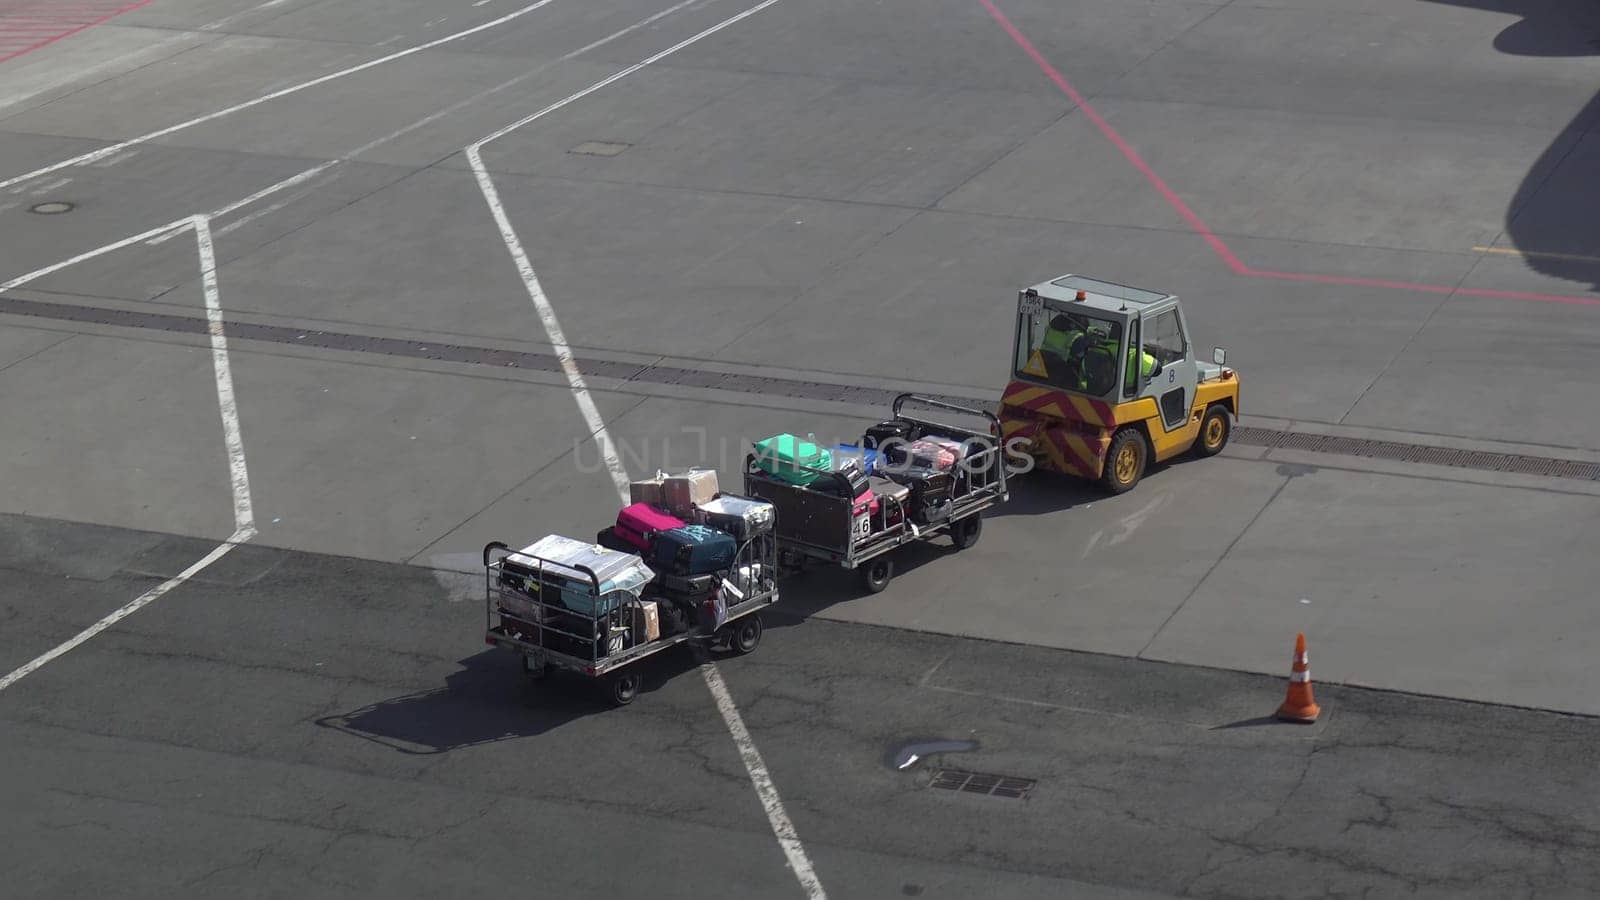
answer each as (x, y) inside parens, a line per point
(815, 523)
(585, 609)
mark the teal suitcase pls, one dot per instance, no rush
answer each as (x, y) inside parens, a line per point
(790, 459)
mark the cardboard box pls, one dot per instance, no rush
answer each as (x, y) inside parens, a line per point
(647, 490)
(680, 494)
(646, 622)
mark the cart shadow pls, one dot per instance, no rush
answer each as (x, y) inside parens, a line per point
(490, 700)
(820, 587)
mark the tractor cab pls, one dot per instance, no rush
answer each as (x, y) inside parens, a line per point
(1095, 364)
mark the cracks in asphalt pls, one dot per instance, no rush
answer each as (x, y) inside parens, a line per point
(1384, 821)
(250, 863)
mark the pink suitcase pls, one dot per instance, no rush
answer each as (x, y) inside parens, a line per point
(637, 523)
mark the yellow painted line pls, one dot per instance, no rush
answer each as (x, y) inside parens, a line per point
(1537, 255)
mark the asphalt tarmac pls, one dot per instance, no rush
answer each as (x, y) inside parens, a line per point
(289, 724)
(787, 213)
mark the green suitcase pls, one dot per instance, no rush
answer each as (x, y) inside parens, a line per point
(790, 459)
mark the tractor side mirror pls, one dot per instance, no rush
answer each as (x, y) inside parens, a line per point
(1219, 356)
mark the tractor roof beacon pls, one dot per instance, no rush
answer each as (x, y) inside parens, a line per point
(1104, 382)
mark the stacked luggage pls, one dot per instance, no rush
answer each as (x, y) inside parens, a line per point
(691, 534)
(894, 469)
(806, 464)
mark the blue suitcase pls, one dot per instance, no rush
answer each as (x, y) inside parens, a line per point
(693, 550)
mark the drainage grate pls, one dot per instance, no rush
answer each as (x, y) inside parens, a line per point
(1007, 786)
(1549, 467)
(599, 148)
(636, 373)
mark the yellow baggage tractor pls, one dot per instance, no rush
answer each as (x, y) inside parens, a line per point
(1105, 382)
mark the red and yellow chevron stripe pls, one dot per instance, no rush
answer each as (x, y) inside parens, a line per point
(1060, 404)
(1059, 449)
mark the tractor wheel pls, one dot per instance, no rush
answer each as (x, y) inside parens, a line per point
(1125, 461)
(1215, 429)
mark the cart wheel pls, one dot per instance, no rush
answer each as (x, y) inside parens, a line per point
(623, 687)
(532, 671)
(965, 532)
(745, 634)
(877, 574)
(1215, 429)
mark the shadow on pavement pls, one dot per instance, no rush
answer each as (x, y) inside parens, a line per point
(489, 700)
(1552, 216)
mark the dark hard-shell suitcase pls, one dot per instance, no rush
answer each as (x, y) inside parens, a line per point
(609, 539)
(897, 429)
(853, 474)
(888, 491)
(929, 489)
(691, 585)
(693, 550)
(933, 512)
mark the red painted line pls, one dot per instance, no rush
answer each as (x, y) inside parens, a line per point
(63, 35)
(1195, 222)
(1198, 225)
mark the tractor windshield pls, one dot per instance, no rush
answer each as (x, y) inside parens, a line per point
(1070, 349)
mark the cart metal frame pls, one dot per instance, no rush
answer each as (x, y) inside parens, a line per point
(816, 526)
(741, 629)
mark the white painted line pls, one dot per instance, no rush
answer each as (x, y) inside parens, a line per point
(766, 792)
(133, 606)
(427, 120)
(52, 186)
(242, 221)
(108, 150)
(21, 280)
(268, 191)
(229, 20)
(243, 515)
(552, 327)
(622, 74)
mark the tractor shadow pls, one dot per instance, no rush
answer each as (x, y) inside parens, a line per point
(490, 700)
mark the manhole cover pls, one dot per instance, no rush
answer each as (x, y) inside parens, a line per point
(599, 148)
(979, 783)
(51, 208)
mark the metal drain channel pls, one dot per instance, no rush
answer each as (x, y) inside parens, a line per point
(1007, 786)
(1425, 454)
(461, 353)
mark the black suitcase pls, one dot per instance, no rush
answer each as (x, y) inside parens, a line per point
(895, 428)
(853, 474)
(931, 493)
(608, 539)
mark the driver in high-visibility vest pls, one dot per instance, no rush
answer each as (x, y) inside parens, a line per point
(1064, 332)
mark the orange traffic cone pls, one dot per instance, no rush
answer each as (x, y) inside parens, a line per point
(1298, 706)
